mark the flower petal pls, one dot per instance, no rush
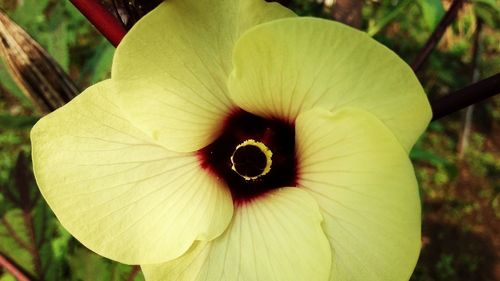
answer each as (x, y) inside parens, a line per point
(275, 237)
(185, 47)
(288, 66)
(366, 189)
(121, 195)
(173, 121)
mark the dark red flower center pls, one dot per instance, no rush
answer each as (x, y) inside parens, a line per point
(253, 155)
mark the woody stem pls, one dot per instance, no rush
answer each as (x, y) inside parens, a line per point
(467, 96)
(435, 37)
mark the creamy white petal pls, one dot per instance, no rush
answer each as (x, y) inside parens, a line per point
(275, 237)
(366, 188)
(285, 67)
(116, 191)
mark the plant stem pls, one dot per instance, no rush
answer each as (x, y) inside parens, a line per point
(464, 97)
(104, 21)
(465, 135)
(437, 34)
(133, 273)
(13, 269)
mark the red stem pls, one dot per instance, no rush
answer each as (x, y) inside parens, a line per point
(433, 40)
(103, 20)
(12, 268)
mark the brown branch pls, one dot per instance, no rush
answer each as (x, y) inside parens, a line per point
(467, 96)
(437, 34)
(103, 20)
(14, 270)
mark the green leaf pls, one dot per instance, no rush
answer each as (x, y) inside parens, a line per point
(376, 26)
(14, 240)
(59, 36)
(432, 12)
(27, 9)
(488, 11)
(98, 67)
(7, 277)
(35, 256)
(59, 49)
(102, 62)
(47, 232)
(28, 227)
(17, 122)
(11, 86)
(86, 265)
(21, 189)
(4, 204)
(493, 4)
(423, 155)
(30, 14)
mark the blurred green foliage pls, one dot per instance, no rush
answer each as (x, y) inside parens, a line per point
(31, 236)
(458, 188)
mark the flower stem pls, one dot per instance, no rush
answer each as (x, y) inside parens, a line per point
(103, 20)
(437, 34)
(464, 97)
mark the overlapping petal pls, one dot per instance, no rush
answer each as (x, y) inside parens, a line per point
(365, 186)
(176, 123)
(116, 191)
(275, 237)
(287, 66)
(185, 46)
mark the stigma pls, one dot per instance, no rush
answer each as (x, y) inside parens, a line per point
(251, 159)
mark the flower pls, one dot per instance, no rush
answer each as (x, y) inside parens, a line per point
(236, 141)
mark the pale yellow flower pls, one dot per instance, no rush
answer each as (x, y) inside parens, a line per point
(236, 141)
